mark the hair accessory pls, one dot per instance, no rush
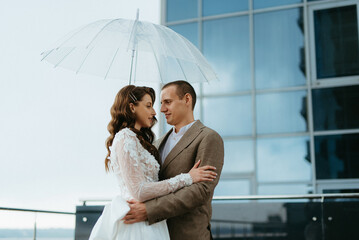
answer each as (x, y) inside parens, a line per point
(133, 97)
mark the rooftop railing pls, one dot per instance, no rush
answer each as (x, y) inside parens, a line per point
(22, 223)
(308, 216)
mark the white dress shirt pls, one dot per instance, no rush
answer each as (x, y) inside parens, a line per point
(173, 139)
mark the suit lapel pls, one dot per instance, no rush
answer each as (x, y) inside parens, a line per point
(160, 144)
(163, 140)
(186, 140)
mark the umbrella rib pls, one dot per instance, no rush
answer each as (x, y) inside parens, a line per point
(184, 40)
(72, 36)
(48, 54)
(65, 57)
(98, 33)
(68, 40)
(175, 57)
(84, 60)
(181, 68)
(113, 59)
(202, 73)
(158, 66)
(162, 45)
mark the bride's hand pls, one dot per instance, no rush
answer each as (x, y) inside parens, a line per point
(200, 174)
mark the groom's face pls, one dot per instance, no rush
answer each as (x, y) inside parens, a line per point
(172, 106)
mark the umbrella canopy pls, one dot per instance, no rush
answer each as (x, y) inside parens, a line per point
(131, 50)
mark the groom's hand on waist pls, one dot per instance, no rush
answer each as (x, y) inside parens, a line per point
(137, 212)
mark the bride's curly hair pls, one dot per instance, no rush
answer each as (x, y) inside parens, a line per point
(123, 117)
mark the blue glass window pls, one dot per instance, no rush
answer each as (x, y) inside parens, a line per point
(283, 159)
(181, 9)
(213, 7)
(282, 112)
(188, 30)
(272, 3)
(238, 157)
(336, 156)
(279, 49)
(336, 42)
(229, 116)
(235, 187)
(336, 108)
(226, 47)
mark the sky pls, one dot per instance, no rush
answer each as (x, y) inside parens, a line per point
(53, 123)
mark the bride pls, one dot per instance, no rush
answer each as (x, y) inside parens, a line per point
(135, 163)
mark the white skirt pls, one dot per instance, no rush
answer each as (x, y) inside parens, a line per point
(110, 226)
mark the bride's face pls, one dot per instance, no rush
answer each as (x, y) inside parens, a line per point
(144, 112)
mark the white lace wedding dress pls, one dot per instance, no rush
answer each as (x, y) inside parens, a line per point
(137, 173)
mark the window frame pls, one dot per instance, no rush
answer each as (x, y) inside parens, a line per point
(334, 81)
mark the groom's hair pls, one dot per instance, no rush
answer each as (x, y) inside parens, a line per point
(182, 88)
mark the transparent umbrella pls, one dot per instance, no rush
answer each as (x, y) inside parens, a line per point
(130, 50)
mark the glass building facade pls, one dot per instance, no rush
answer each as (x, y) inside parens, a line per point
(287, 103)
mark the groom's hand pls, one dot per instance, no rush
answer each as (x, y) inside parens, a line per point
(137, 212)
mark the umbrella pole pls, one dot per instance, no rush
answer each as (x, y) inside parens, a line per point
(133, 55)
(134, 28)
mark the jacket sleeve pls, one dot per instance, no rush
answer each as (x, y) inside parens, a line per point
(210, 152)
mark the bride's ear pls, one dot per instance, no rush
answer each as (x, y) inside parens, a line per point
(132, 107)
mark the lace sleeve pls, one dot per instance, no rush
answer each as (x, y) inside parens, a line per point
(128, 155)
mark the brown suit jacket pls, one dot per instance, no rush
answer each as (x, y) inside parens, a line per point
(188, 211)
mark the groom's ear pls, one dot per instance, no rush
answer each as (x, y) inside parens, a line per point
(188, 99)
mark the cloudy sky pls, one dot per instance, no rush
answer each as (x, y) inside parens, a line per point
(53, 122)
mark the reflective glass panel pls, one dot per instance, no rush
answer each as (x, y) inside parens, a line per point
(226, 47)
(213, 7)
(238, 156)
(336, 42)
(336, 108)
(284, 189)
(229, 116)
(337, 156)
(188, 30)
(181, 9)
(283, 159)
(272, 3)
(279, 49)
(282, 112)
(353, 190)
(231, 187)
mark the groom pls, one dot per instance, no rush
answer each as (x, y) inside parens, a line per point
(188, 211)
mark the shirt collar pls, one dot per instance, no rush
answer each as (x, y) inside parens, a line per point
(183, 129)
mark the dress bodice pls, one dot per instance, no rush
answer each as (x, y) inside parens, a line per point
(137, 170)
